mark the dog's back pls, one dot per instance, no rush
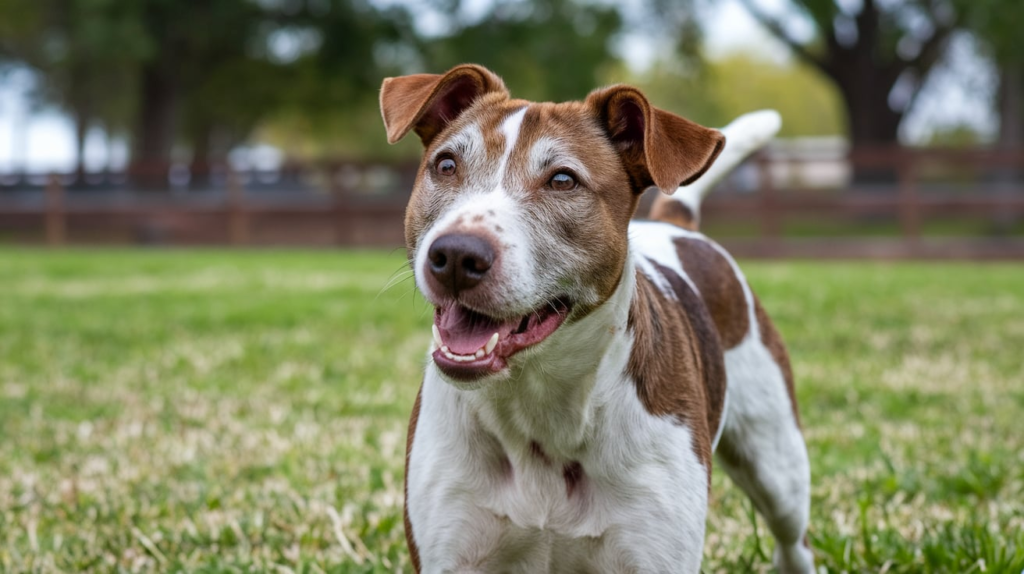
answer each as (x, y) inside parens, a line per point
(755, 420)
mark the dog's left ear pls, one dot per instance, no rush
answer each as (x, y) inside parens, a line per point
(657, 147)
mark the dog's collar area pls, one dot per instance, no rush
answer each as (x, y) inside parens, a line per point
(470, 345)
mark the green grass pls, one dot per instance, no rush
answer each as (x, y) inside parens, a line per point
(237, 411)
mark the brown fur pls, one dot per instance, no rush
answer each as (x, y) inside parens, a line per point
(674, 212)
(676, 359)
(771, 338)
(573, 475)
(719, 288)
(426, 102)
(658, 148)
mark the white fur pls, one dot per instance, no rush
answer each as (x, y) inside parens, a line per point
(487, 198)
(775, 472)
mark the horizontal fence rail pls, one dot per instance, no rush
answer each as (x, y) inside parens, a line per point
(879, 203)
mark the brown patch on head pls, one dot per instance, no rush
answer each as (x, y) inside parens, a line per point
(676, 359)
(719, 287)
(771, 338)
(410, 540)
(674, 212)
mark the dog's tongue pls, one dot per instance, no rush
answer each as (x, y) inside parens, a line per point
(464, 331)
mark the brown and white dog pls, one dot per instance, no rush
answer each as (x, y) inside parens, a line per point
(584, 367)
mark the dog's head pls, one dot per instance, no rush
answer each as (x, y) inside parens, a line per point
(518, 218)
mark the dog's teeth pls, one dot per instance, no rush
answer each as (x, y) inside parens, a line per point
(490, 344)
(437, 336)
(446, 350)
(480, 353)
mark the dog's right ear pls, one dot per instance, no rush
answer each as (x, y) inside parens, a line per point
(427, 103)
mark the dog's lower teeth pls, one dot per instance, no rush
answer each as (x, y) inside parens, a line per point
(479, 353)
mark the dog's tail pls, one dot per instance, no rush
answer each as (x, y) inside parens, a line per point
(745, 135)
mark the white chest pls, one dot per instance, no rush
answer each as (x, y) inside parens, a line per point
(634, 498)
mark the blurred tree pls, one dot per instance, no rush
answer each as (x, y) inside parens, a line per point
(331, 102)
(207, 69)
(544, 49)
(83, 53)
(739, 83)
(996, 24)
(878, 54)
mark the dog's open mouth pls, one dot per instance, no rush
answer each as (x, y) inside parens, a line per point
(471, 345)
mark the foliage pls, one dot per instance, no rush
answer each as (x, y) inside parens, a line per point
(739, 83)
(869, 49)
(224, 411)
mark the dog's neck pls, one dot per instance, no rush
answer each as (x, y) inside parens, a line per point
(551, 399)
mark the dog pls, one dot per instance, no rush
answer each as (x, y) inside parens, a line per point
(584, 367)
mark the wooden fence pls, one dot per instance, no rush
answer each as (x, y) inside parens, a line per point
(362, 204)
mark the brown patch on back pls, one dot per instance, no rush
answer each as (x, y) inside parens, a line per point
(771, 338)
(676, 360)
(573, 475)
(538, 452)
(674, 212)
(719, 287)
(414, 551)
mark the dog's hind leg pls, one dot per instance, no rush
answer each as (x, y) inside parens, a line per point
(762, 448)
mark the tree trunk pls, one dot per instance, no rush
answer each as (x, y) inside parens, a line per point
(872, 121)
(81, 130)
(1011, 105)
(155, 129)
(1010, 101)
(202, 156)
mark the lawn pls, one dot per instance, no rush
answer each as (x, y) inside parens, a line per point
(244, 410)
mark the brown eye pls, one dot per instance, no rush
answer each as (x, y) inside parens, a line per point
(562, 181)
(445, 166)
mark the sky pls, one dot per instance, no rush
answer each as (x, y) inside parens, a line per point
(958, 93)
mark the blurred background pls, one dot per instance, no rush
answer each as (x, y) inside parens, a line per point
(255, 122)
(226, 409)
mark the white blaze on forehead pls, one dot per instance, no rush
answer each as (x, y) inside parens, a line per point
(510, 129)
(548, 152)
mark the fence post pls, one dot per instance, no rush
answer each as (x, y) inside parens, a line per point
(771, 230)
(238, 217)
(910, 216)
(56, 226)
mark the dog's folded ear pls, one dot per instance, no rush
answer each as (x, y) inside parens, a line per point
(657, 147)
(426, 103)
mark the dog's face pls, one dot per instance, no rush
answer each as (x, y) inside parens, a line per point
(518, 218)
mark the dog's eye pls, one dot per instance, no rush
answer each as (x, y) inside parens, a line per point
(445, 166)
(562, 181)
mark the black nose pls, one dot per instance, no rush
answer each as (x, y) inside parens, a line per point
(460, 261)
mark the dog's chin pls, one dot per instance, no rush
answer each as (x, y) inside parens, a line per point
(473, 347)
